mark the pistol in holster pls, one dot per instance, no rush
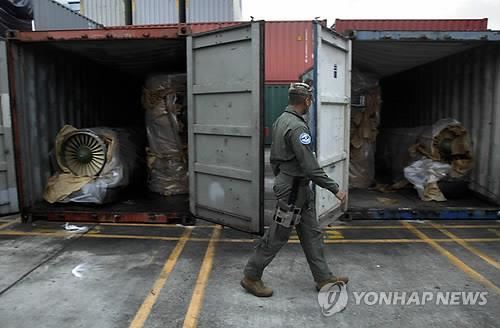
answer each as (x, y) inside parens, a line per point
(288, 215)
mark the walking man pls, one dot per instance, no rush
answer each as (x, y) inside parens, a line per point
(294, 166)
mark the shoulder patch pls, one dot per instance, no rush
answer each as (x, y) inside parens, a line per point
(305, 138)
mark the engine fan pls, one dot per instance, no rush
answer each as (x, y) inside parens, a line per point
(83, 153)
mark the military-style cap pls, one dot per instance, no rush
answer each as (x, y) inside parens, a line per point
(299, 88)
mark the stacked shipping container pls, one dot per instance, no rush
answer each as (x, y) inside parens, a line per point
(167, 11)
(343, 25)
(289, 53)
(51, 15)
(148, 12)
(108, 12)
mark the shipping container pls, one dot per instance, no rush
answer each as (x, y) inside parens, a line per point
(88, 78)
(51, 15)
(183, 29)
(343, 25)
(95, 78)
(289, 50)
(425, 77)
(108, 12)
(276, 99)
(288, 47)
(213, 10)
(146, 12)
(8, 188)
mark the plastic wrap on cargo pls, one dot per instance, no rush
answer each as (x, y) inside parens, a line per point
(393, 153)
(364, 131)
(121, 161)
(164, 103)
(445, 141)
(424, 175)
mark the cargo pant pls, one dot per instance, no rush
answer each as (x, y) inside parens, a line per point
(308, 231)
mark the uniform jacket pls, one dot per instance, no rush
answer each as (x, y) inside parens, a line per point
(291, 151)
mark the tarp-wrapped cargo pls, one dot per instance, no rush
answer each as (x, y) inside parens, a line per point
(364, 131)
(445, 141)
(424, 78)
(94, 165)
(163, 100)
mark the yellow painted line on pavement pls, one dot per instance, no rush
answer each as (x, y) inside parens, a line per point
(67, 234)
(230, 240)
(495, 231)
(146, 307)
(193, 312)
(451, 226)
(468, 247)
(329, 234)
(452, 258)
(8, 224)
(333, 234)
(422, 226)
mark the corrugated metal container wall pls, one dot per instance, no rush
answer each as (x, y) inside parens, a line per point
(289, 50)
(213, 10)
(146, 12)
(466, 87)
(167, 11)
(275, 101)
(108, 12)
(50, 15)
(341, 25)
(8, 189)
(54, 89)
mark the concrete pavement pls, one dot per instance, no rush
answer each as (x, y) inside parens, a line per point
(172, 276)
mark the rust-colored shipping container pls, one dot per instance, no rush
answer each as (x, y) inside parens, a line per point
(289, 50)
(288, 45)
(190, 27)
(342, 25)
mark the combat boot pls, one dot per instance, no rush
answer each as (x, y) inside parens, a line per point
(256, 287)
(331, 280)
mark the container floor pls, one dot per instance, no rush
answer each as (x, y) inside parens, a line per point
(145, 207)
(405, 204)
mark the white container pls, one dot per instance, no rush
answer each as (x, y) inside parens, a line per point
(108, 12)
(213, 11)
(167, 11)
(146, 12)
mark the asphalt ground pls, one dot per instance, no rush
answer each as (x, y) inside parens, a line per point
(118, 275)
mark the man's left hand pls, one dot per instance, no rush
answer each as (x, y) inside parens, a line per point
(341, 195)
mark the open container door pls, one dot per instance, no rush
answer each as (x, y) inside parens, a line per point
(225, 118)
(8, 186)
(331, 114)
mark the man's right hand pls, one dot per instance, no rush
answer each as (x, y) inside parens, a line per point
(341, 195)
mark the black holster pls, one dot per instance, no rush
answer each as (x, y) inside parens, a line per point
(289, 215)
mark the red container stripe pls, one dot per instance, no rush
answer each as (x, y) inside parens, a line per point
(342, 25)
